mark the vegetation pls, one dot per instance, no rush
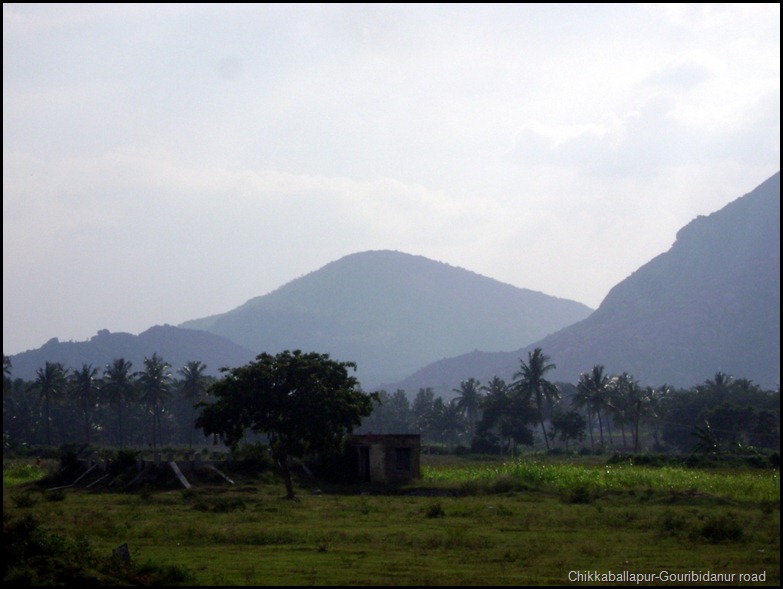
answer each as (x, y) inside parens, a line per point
(303, 403)
(469, 521)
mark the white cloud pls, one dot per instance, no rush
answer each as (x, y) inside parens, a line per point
(163, 162)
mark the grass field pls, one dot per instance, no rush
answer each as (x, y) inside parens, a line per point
(466, 522)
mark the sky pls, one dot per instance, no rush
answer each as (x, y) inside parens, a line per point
(166, 162)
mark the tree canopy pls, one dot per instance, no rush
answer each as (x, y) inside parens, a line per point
(303, 402)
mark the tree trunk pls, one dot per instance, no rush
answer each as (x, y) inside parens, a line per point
(286, 468)
(600, 428)
(590, 427)
(543, 431)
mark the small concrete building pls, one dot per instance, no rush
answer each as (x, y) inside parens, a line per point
(387, 458)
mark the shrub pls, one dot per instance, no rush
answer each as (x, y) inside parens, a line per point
(24, 499)
(721, 528)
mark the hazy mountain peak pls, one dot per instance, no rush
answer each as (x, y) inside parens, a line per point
(711, 303)
(391, 312)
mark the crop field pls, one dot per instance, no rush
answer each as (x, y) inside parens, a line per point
(465, 522)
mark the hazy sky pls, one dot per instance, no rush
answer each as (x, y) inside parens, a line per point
(167, 162)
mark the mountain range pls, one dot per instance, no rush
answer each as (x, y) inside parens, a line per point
(711, 303)
(176, 346)
(391, 313)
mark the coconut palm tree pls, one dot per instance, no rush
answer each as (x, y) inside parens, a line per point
(119, 388)
(192, 389)
(468, 402)
(592, 395)
(50, 382)
(628, 404)
(84, 390)
(154, 384)
(531, 382)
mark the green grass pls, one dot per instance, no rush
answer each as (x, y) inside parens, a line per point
(472, 523)
(18, 472)
(735, 485)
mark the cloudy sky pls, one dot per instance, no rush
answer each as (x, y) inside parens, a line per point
(167, 162)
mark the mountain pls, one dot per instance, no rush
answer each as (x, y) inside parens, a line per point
(392, 313)
(711, 303)
(175, 345)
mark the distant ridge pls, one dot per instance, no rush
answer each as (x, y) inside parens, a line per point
(711, 303)
(391, 313)
(175, 345)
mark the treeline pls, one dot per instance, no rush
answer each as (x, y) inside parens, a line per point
(114, 405)
(154, 406)
(600, 413)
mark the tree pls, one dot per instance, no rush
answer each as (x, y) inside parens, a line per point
(303, 402)
(422, 411)
(531, 383)
(50, 382)
(469, 402)
(154, 382)
(591, 394)
(567, 425)
(194, 384)
(84, 390)
(118, 388)
(506, 412)
(629, 403)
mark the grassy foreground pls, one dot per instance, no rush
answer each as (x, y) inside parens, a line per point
(522, 522)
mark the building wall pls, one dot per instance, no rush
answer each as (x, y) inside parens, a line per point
(392, 458)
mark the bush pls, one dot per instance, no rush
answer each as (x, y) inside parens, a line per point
(251, 459)
(580, 495)
(435, 510)
(721, 528)
(34, 556)
(24, 499)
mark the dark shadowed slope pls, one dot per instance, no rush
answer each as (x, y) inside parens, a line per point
(392, 313)
(711, 303)
(176, 346)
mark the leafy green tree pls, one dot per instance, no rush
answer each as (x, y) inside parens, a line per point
(192, 389)
(155, 386)
(392, 414)
(303, 402)
(531, 382)
(119, 388)
(84, 390)
(50, 382)
(568, 425)
(506, 412)
(468, 402)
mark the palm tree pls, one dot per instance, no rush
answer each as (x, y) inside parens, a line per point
(468, 402)
(84, 390)
(657, 399)
(447, 421)
(495, 407)
(118, 387)
(531, 383)
(422, 411)
(194, 384)
(591, 394)
(629, 403)
(154, 383)
(50, 382)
